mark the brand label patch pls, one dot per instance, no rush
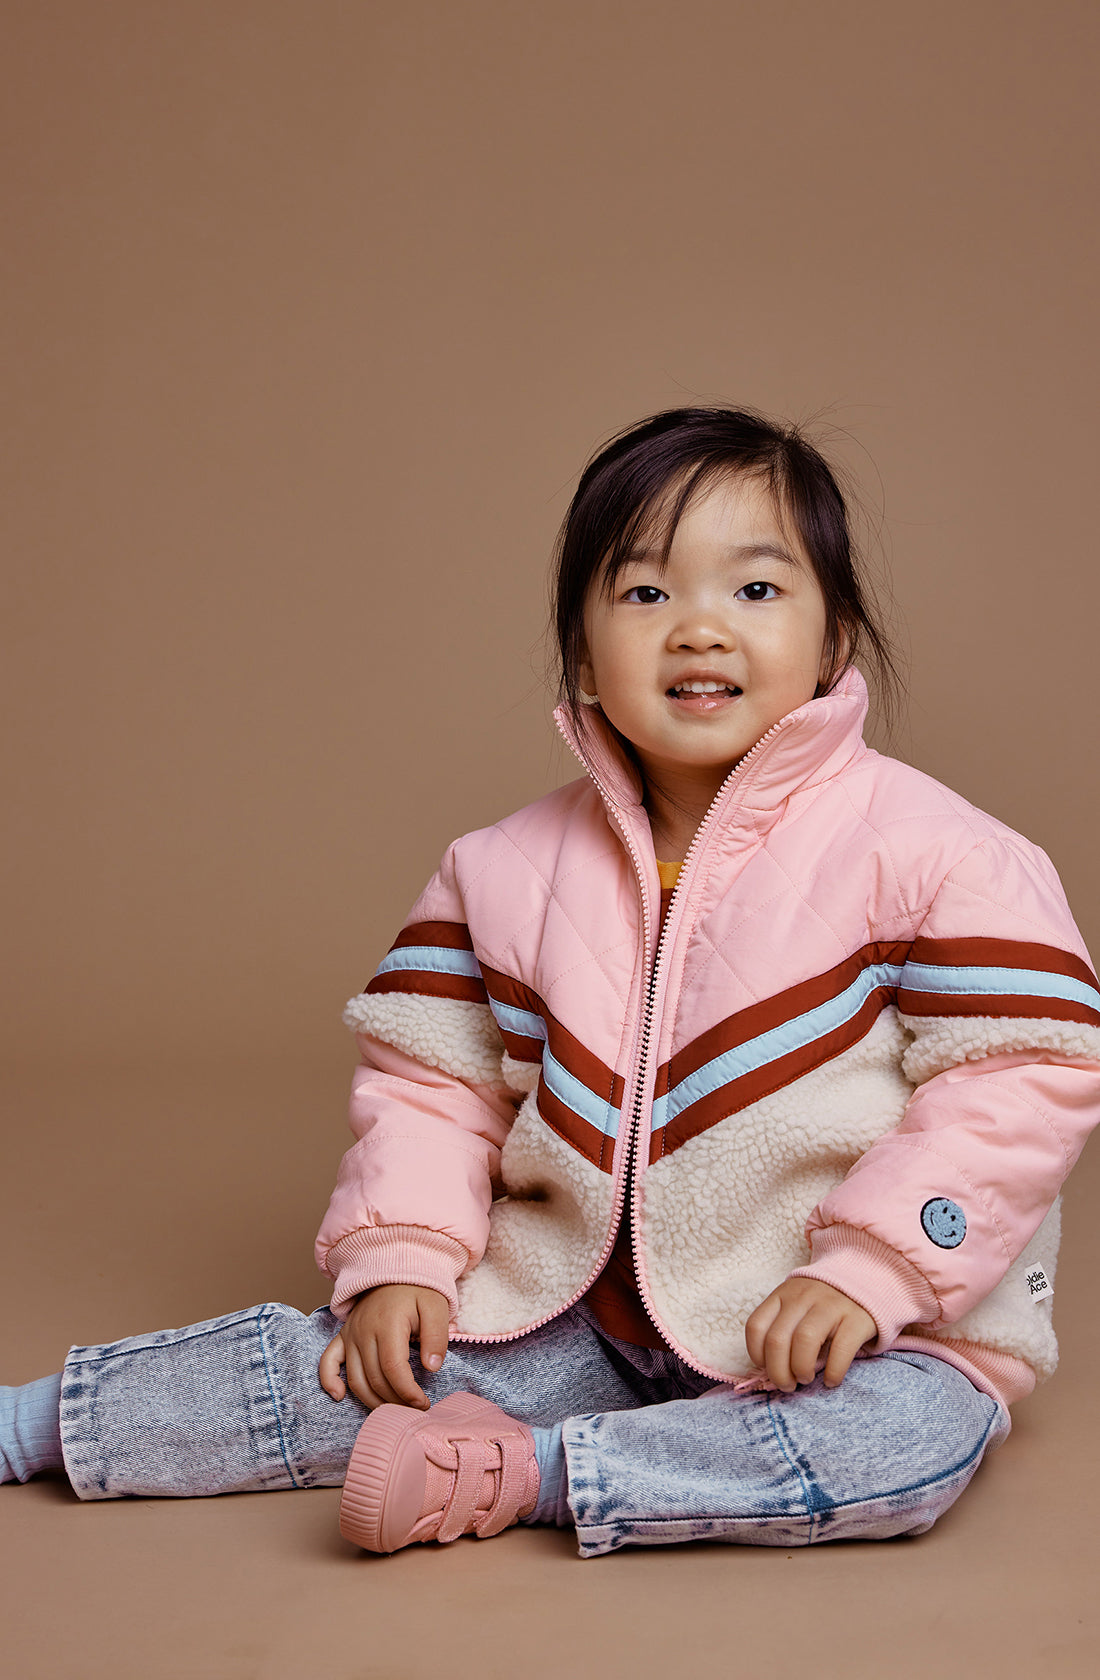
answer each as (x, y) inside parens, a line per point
(1038, 1283)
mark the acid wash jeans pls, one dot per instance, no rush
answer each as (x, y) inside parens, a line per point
(656, 1454)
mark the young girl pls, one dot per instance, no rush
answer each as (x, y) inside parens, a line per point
(711, 1113)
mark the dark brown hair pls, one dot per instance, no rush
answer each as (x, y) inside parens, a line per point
(667, 459)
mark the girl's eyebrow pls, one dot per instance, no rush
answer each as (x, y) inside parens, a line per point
(765, 551)
(741, 551)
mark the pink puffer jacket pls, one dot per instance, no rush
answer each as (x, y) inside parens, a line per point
(866, 1048)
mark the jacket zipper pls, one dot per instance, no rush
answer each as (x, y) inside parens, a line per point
(630, 1176)
(627, 1181)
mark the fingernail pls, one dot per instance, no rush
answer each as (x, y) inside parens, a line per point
(434, 1361)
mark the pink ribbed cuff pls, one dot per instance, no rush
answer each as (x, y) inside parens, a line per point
(376, 1254)
(875, 1276)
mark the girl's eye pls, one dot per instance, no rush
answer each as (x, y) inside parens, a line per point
(757, 592)
(645, 595)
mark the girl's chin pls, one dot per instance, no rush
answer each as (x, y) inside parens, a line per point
(712, 765)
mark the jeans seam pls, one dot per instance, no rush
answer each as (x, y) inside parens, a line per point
(930, 1481)
(123, 1349)
(647, 1524)
(801, 1479)
(260, 1323)
(628, 1525)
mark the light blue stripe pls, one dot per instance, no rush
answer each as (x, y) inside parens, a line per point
(566, 1087)
(767, 1047)
(1010, 982)
(435, 959)
(520, 1021)
(578, 1097)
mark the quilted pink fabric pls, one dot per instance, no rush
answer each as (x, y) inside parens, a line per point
(869, 1001)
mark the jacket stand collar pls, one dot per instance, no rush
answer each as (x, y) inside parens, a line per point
(810, 745)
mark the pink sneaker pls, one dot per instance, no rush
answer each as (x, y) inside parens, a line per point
(463, 1467)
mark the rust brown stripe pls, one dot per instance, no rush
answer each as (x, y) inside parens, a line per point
(508, 990)
(428, 982)
(521, 1048)
(763, 1082)
(574, 1056)
(808, 994)
(1001, 953)
(585, 1139)
(1028, 1008)
(453, 936)
(773, 1012)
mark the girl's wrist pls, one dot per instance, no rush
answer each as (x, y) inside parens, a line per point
(873, 1275)
(375, 1255)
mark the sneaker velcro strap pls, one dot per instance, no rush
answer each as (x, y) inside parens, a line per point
(460, 1511)
(511, 1486)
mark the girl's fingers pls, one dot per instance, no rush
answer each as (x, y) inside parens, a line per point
(852, 1334)
(393, 1359)
(358, 1380)
(777, 1358)
(328, 1370)
(760, 1322)
(434, 1330)
(797, 1324)
(775, 1353)
(807, 1341)
(842, 1350)
(792, 1347)
(778, 1351)
(378, 1378)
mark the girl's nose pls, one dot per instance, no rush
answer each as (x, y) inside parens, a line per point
(699, 630)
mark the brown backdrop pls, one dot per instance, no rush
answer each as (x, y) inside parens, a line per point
(313, 314)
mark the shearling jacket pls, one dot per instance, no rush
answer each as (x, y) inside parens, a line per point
(864, 1048)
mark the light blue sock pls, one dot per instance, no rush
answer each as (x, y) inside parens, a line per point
(30, 1429)
(553, 1505)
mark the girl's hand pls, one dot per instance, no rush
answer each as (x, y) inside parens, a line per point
(373, 1345)
(787, 1332)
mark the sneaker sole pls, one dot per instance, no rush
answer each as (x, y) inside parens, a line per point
(380, 1506)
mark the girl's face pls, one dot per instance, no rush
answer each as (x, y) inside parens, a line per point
(737, 606)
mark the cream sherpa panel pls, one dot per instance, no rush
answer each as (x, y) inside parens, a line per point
(1010, 1319)
(460, 1038)
(520, 1076)
(724, 1215)
(944, 1041)
(546, 1234)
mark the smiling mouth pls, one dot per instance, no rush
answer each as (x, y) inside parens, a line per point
(691, 690)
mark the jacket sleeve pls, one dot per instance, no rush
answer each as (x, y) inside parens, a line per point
(430, 1111)
(1004, 1013)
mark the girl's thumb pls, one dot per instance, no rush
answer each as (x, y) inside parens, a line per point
(434, 1327)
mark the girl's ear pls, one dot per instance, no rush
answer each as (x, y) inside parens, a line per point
(844, 654)
(586, 676)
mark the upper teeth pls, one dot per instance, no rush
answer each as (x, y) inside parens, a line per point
(699, 687)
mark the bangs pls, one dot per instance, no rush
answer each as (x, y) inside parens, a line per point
(652, 527)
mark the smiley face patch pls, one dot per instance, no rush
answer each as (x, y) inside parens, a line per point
(943, 1222)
